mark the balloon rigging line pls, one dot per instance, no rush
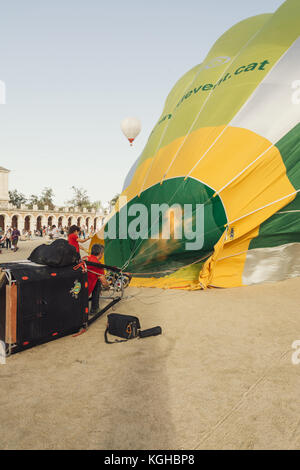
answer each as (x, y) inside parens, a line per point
(257, 210)
(174, 110)
(218, 137)
(206, 152)
(227, 126)
(174, 269)
(221, 133)
(131, 257)
(149, 229)
(242, 107)
(157, 241)
(205, 102)
(263, 207)
(217, 193)
(206, 202)
(226, 225)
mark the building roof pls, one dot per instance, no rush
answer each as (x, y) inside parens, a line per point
(4, 169)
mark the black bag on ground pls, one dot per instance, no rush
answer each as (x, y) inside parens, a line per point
(128, 327)
(58, 254)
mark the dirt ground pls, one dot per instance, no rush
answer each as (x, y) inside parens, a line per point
(219, 377)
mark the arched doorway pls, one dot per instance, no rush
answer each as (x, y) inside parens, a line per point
(14, 221)
(27, 223)
(70, 221)
(59, 222)
(2, 223)
(39, 222)
(50, 221)
(95, 223)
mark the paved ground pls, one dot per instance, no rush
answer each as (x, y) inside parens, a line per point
(25, 248)
(219, 377)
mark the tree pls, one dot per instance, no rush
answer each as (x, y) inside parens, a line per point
(47, 198)
(33, 200)
(97, 205)
(81, 199)
(113, 201)
(16, 198)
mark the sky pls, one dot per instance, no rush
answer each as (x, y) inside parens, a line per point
(74, 69)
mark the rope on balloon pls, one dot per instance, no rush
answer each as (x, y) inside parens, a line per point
(207, 151)
(226, 127)
(217, 193)
(203, 106)
(226, 225)
(173, 269)
(263, 207)
(173, 112)
(189, 132)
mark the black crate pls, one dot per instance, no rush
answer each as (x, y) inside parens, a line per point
(50, 303)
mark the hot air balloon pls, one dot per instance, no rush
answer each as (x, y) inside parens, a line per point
(224, 155)
(131, 127)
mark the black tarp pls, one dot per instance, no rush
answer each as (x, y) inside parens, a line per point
(58, 253)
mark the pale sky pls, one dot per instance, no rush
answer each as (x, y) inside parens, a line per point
(74, 69)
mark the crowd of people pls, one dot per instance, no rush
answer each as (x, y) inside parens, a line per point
(54, 232)
(10, 237)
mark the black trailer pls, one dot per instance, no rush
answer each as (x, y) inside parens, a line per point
(40, 303)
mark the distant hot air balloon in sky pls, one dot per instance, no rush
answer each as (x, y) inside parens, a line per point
(131, 127)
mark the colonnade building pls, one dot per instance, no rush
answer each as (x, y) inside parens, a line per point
(32, 219)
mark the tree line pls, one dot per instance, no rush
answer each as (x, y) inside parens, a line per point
(80, 199)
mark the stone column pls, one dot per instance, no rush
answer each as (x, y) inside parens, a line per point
(7, 221)
(21, 223)
(44, 221)
(64, 221)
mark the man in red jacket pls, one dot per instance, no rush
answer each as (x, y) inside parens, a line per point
(96, 281)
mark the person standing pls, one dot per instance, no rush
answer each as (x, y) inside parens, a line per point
(73, 237)
(2, 240)
(15, 238)
(96, 279)
(54, 232)
(8, 239)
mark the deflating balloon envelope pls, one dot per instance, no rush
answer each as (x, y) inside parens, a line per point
(213, 200)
